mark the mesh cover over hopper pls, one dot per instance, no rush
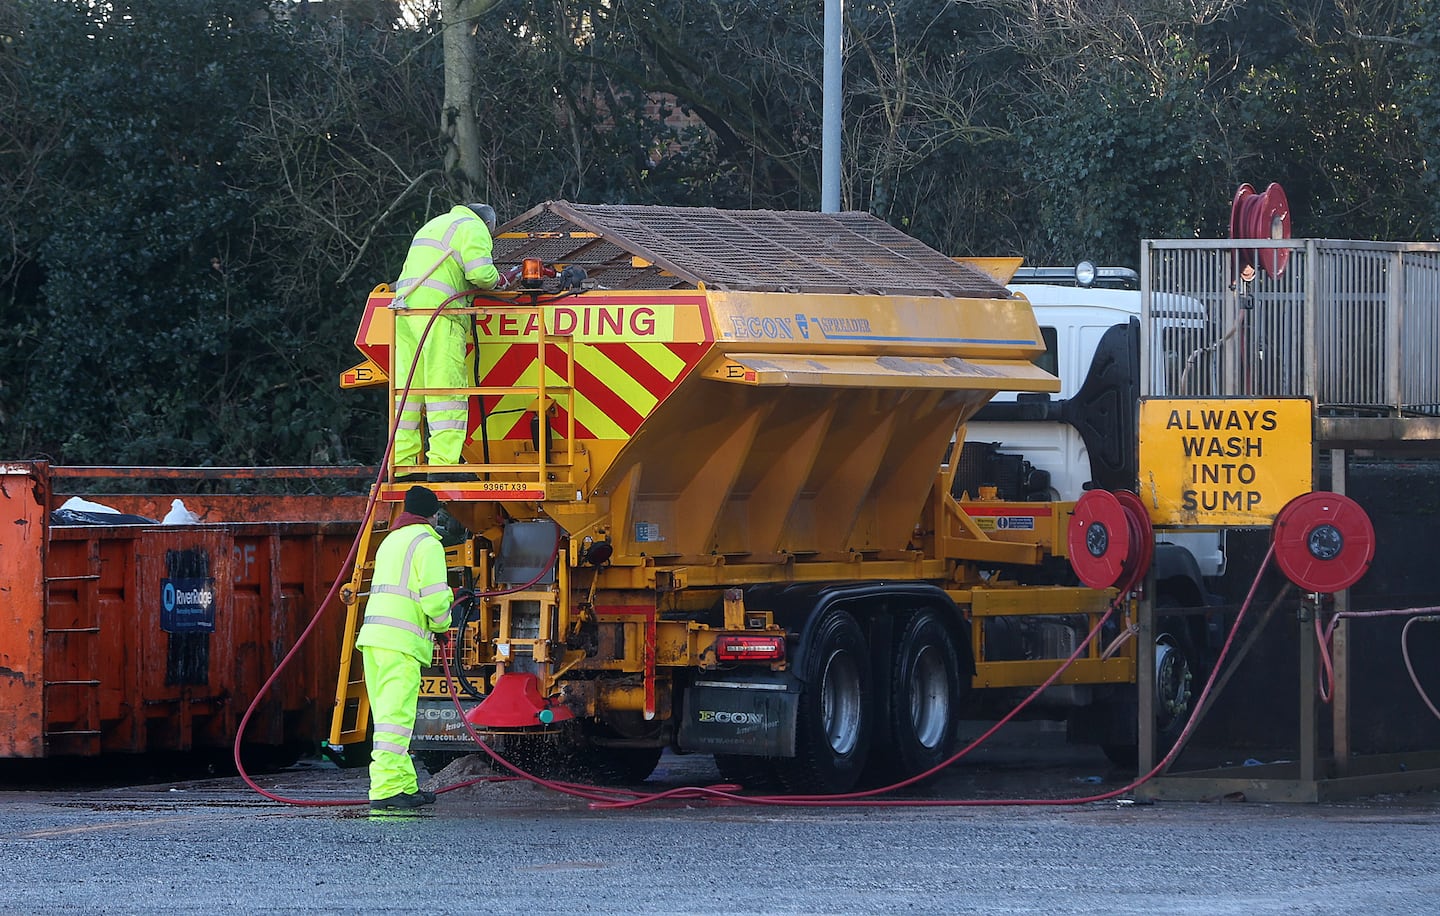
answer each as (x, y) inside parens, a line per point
(747, 384)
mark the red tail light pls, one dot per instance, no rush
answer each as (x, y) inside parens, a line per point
(750, 648)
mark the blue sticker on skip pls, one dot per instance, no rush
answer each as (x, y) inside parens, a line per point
(187, 605)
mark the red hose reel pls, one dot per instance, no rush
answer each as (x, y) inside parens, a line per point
(1324, 542)
(1111, 541)
(1263, 215)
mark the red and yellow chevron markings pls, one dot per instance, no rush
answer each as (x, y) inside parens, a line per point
(373, 338)
(631, 351)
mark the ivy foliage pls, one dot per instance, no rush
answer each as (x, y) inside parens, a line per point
(195, 198)
(136, 344)
(1421, 96)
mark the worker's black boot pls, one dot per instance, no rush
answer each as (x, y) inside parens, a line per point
(403, 800)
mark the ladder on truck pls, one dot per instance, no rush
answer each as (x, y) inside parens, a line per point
(515, 481)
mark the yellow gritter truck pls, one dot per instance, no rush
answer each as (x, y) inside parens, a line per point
(710, 504)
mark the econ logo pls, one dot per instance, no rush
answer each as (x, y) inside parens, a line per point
(187, 605)
(731, 718)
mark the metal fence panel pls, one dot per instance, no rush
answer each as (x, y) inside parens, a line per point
(1355, 326)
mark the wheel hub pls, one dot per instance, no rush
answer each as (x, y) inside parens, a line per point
(1172, 681)
(929, 697)
(840, 703)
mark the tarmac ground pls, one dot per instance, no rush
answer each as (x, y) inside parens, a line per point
(193, 845)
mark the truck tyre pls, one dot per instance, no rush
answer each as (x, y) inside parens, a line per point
(604, 763)
(754, 774)
(614, 766)
(834, 721)
(1174, 688)
(434, 761)
(924, 694)
(1174, 696)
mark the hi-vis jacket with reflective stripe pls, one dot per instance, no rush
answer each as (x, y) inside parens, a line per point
(470, 264)
(409, 596)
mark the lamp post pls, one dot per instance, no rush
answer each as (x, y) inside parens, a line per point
(831, 110)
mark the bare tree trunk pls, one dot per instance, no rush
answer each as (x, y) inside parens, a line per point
(462, 75)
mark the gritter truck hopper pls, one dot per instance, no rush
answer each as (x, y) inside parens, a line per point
(709, 502)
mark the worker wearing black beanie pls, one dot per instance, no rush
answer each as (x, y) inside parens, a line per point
(422, 501)
(409, 601)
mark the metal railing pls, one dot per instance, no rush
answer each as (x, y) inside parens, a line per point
(529, 476)
(1353, 325)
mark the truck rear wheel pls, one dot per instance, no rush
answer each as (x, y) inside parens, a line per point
(834, 722)
(600, 755)
(434, 761)
(1173, 694)
(924, 694)
(613, 766)
(754, 774)
(1174, 699)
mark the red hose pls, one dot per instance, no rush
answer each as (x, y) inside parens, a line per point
(330, 596)
(1410, 666)
(1325, 640)
(608, 798)
(865, 799)
(603, 798)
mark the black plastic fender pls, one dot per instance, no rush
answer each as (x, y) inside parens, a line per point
(754, 716)
(1178, 575)
(1106, 409)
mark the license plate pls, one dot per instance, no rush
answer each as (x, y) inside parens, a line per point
(436, 687)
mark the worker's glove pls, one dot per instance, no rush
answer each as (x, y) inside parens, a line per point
(442, 639)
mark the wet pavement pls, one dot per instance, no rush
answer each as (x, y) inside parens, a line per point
(202, 845)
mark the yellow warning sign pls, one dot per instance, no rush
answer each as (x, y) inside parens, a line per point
(1230, 461)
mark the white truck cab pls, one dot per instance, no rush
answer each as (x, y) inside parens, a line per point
(1055, 447)
(1085, 435)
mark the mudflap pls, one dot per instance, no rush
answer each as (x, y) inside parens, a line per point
(439, 727)
(756, 719)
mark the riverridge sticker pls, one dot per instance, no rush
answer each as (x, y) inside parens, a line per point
(187, 605)
(1227, 461)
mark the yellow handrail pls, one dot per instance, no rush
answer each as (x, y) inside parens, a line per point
(544, 391)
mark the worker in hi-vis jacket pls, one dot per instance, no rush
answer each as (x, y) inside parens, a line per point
(450, 254)
(409, 601)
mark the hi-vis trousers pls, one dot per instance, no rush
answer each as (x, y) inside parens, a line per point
(392, 679)
(441, 365)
